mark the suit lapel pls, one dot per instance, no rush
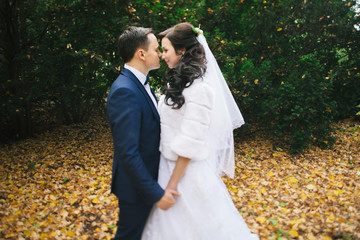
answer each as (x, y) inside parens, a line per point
(133, 78)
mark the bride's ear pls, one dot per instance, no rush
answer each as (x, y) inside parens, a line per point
(181, 51)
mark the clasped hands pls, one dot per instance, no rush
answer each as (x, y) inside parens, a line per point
(168, 199)
(170, 191)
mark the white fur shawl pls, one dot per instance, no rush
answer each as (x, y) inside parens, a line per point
(184, 130)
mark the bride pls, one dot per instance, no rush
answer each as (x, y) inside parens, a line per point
(198, 115)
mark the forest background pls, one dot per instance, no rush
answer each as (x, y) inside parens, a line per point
(292, 66)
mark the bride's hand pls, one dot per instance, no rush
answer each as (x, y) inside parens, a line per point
(168, 199)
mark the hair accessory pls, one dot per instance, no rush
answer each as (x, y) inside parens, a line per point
(197, 30)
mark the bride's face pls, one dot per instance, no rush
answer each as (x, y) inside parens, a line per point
(169, 54)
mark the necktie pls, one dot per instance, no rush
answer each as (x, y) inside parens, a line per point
(147, 80)
(152, 91)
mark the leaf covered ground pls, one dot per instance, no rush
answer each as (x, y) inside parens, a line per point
(57, 186)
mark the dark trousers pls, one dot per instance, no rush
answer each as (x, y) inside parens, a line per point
(132, 219)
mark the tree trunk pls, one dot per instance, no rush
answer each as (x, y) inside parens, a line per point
(14, 36)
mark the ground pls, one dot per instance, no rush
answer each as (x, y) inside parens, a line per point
(57, 186)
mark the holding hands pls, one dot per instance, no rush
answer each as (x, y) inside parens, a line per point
(168, 199)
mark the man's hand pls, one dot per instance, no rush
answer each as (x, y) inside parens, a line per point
(168, 199)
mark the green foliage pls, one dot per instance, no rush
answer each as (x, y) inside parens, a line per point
(81, 64)
(61, 64)
(302, 106)
(292, 65)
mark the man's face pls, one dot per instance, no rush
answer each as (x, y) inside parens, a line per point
(152, 55)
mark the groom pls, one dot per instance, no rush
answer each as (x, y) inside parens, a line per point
(135, 127)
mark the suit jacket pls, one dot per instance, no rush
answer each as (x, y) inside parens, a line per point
(135, 128)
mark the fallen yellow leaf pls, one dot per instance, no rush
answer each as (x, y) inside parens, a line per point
(293, 233)
(293, 180)
(261, 219)
(69, 233)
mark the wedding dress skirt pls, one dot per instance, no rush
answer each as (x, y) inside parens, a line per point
(204, 211)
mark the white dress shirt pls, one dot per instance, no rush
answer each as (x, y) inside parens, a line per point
(142, 78)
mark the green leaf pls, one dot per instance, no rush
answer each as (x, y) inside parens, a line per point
(273, 221)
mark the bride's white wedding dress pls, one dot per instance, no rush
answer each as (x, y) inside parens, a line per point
(205, 210)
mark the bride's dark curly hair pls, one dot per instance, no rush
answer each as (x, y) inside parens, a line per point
(192, 64)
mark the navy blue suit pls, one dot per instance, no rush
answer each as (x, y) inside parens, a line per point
(135, 128)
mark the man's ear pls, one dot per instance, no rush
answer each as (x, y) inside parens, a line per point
(140, 53)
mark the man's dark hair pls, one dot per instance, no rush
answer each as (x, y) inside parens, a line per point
(132, 39)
